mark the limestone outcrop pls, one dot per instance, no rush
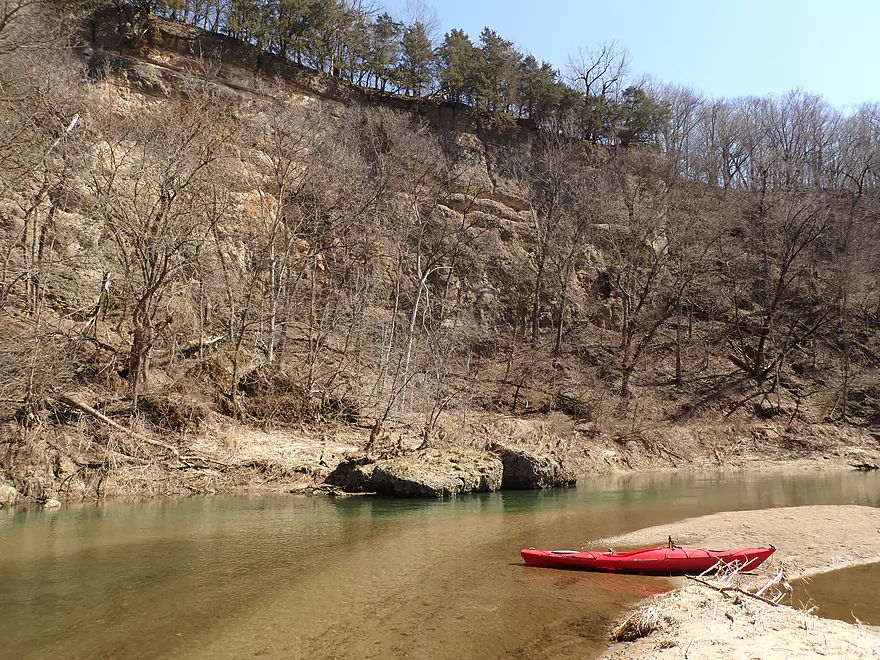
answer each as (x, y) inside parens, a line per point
(442, 472)
(524, 470)
(8, 495)
(352, 475)
(424, 473)
(438, 473)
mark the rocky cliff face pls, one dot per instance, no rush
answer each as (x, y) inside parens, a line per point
(485, 196)
(179, 55)
(207, 241)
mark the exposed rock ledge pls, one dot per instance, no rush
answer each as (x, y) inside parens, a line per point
(529, 471)
(450, 471)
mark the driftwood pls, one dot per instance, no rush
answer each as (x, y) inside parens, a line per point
(191, 461)
(724, 585)
(72, 402)
(95, 464)
(726, 590)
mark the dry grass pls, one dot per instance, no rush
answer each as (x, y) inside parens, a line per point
(650, 617)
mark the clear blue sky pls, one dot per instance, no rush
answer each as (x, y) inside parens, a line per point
(721, 47)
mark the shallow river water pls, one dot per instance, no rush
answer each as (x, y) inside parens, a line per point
(308, 577)
(850, 594)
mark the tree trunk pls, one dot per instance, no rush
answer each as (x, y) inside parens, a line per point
(314, 333)
(559, 326)
(846, 368)
(678, 380)
(274, 284)
(233, 385)
(624, 381)
(138, 357)
(536, 304)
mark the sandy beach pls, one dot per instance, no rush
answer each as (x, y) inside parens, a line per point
(695, 621)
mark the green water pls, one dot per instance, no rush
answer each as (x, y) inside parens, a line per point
(301, 577)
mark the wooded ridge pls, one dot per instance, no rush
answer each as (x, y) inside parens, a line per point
(240, 232)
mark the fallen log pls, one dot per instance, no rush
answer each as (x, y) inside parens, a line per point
(71, 402)
(191, 461)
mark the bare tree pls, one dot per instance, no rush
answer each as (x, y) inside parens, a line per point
(555, 180)
(600, 72)
(40, 153)
(154, 178)
(600, 75)
(778, 307)
(678, 133)
(654, 254)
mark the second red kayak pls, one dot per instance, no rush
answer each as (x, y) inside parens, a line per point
(659, 560)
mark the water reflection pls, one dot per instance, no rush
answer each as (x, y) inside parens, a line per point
(305, 577)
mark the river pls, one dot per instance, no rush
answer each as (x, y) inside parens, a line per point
(309, 577)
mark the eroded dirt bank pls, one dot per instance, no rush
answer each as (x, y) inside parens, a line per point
(694, 621)
(86, 460)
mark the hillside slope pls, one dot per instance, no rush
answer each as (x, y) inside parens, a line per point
(222, 270)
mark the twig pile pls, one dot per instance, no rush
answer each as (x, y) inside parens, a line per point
(659, 612)
(776, 590)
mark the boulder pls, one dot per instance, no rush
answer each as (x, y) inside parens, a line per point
(8, 495)
(352, 475)
(35, 489)
(52, 503)
(437, 473)
(525, 470)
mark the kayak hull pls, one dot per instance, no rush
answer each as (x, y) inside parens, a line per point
(659, 560)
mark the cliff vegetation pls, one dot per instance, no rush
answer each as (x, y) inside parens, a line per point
(238, 248)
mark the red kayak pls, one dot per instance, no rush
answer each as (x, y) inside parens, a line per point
(659, 560)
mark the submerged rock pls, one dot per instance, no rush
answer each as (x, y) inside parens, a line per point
(524, 470)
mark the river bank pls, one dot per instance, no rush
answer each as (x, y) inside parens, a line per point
(698, 622)
(74, 462)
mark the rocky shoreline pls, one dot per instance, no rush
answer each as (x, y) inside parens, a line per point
(449, 472)
(478, 453)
